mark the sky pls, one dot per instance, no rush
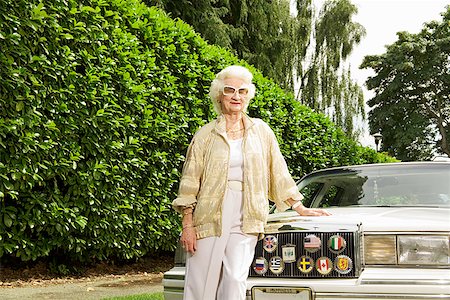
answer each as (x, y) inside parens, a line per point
(382, 19)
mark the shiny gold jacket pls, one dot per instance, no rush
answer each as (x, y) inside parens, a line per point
(205, 171)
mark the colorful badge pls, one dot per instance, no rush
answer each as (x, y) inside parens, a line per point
(324, 265)
(260, 265)
(343, 264)
(305, 264)
(270, 243)
(288, 252)
(336, 244)
(312, 243)
(276, 264)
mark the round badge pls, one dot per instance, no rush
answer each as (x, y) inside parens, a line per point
(343, 264)
(312, 243)
(336, 244)
(305, 264)
(270, 243)
(276, 264)
(260, 265)
(324, 265)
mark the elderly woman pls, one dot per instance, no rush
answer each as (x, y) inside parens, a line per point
(233, 166)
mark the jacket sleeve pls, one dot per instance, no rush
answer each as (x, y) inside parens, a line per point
(281, 184)
(190, 177)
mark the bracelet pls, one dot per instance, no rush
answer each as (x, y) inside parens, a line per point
(296, 204)
(187, 226)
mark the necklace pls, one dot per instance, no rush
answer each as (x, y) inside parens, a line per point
(234, 131)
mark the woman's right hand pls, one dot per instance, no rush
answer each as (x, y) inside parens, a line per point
(189, 239)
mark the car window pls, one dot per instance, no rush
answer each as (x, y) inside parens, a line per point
(333, 196)
(393, 186)
(310, 191)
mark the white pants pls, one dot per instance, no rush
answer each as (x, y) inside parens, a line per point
(219, 267)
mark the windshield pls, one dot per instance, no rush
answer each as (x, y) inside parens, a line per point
(384, 185)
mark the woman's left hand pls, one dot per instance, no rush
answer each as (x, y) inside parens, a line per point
(305, 211)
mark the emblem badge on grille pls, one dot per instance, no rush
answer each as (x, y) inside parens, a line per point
(276, 265)
(336, 243)
(260, 265)
(288, 251)
(270, 243)
(305, 264)
(343, 264)
(312, 243)
(324, 265)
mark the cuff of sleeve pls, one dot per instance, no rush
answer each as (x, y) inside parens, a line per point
(180, 204)
(297, 197)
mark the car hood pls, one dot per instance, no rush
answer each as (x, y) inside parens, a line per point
(374, 219)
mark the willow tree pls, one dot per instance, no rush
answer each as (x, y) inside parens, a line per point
(264, 33)
(325, 84)
(299, 50)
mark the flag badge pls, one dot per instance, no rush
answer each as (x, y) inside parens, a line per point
(324, 265)
(336, 243)
(276, 264)
(343, 264)
(260, 265)
(288, 252)
(270, 243)
(305, 264)
(312, 243)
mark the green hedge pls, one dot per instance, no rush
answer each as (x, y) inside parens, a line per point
(99, 100)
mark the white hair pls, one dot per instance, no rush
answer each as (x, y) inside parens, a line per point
(217, 84)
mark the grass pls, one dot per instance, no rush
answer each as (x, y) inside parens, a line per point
(153, 296)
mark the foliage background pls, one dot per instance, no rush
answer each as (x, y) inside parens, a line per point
(411, 106)
(99, 100)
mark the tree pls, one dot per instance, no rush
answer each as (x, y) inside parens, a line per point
(411, 107)
(284, 47)
(325, 85)
(262, 32)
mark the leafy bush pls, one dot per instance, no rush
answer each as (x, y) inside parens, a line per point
(99, 100)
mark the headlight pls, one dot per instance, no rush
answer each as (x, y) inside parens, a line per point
(430, 250)
(423, 250)
(380, 250)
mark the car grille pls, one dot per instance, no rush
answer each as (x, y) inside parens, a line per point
(297, 255)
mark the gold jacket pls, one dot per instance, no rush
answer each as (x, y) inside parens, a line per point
(205, 171)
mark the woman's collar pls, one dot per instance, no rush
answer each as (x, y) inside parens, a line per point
(221, 122)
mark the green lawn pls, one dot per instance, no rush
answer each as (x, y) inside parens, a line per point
(154, 296)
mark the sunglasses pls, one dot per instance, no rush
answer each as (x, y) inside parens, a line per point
(231, 90)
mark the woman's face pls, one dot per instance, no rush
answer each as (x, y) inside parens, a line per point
(234, 96)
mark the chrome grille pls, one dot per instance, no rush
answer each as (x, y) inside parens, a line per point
(291, 270)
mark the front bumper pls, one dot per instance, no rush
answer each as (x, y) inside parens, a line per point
(373, 283)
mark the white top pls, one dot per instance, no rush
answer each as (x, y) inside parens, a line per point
(236, 164)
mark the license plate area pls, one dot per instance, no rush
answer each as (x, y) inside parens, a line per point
(281, 293)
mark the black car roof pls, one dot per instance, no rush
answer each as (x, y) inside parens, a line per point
(337, 170)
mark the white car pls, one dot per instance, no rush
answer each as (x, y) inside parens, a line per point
(388, 238)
